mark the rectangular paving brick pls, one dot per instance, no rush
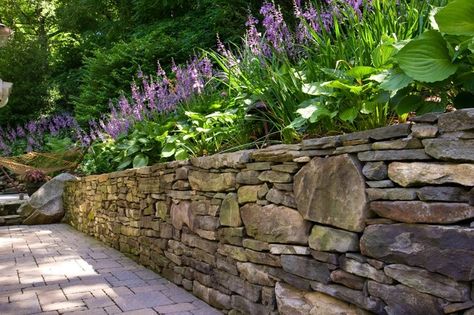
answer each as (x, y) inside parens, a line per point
(53, 270)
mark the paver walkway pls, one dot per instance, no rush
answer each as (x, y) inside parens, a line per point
(53, 269)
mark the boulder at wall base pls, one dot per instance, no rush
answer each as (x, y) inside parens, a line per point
(402, 300)
(448, 250)
(275, 224)
(46, 204)
(292, 301)
(332, 191)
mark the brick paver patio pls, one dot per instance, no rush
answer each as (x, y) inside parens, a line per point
(53, 269)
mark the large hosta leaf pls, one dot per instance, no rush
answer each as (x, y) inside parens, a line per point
(140, 160)
(426, 59)
(457, 18)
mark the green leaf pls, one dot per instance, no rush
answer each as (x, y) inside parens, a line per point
(354, 89)
(396, 80)
(457, 18)
(428, 107)
(124, 164)
(382, 54)
(168, 150)
(349, 114)
(314, 112)
(427, 59)
(360, 72)
(317, 89)
(181, 154)
(132, 150)
(140, 160)
(409, 103)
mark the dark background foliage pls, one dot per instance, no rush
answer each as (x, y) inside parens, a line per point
(77, 55)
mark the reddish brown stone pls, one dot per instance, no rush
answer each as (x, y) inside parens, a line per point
(422, 212)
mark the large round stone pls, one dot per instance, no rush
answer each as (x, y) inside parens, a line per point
(332, 191)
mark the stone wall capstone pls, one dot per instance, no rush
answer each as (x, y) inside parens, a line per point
(373, 222)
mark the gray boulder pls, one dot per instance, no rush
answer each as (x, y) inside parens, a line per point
(46, 204)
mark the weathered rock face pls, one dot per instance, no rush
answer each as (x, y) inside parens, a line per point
(448, 150)
(402, 300)
(211, 181)
(416, 245)
(235, 159)
(429, 282)
(306, 268)
(434, 193)
(225, 226)
(455, 121)
(324, 238)
(375, 170)
(292, 302)
(230, 211)
(417, 173)
(422, 212)
(275, 224)
(46, 205)
(332, 191)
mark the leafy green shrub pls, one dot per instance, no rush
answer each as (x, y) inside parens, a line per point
(436, 69)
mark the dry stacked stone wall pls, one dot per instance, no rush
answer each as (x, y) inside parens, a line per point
(378, 221)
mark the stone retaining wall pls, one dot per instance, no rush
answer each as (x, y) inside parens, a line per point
(378, 221)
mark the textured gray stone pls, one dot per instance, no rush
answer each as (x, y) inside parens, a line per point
(416, 245)
(328, 239)
(256, 274)
(347, 279)
(428, 282)
(402, 300)
(363, 270)
(229, 160)
(375, 170)
(436, 193)
(276, 224)
(396, 131)
(321, 143)
(325, 257)
(281, 198)
(423, 212)
(380, 183)
(45, 206)
(353, 148)
(457, 121)
(420, 173)
(279, 249)
(247, 194)
(255, 244)
(427, 118)
(399, 144)
(332, 191)
(248, 307)
(230, 211)
(355, 297)
(306, 268)
(204, 181)
(248, 177)
(424, 131)
(448, 150)
(393, 155)
(275, 177)
(291, 301)
(391, 194)
(287, 167)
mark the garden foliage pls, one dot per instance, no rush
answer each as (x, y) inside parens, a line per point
(333, 66)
